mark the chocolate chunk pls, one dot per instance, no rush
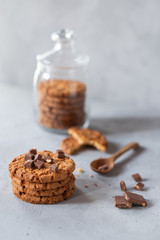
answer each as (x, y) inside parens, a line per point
(135, 198)
(139, 186)
(38, 157)
(29, 156)
(38, 164)
(137, 177)
(48, 159)
(53, 168)
(123, 186)
(33, 151)
(60, 154)
(29, 164)
(103, 167)
(121, 202)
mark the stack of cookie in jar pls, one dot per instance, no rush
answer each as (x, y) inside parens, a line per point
(42, 177)
(61, 103)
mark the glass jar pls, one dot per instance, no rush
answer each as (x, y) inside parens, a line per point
(60, 85)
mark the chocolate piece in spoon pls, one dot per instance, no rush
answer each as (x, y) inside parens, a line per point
(103, 167)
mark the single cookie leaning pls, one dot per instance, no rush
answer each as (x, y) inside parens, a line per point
(91, 137)
(45, 174)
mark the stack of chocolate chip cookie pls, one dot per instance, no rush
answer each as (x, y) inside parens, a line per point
(61, 103)
(42, 177)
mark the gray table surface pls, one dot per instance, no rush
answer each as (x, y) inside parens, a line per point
(90, 213)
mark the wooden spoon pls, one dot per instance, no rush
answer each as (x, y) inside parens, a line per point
(103, 165)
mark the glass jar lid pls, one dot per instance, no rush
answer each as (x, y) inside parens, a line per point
(64, 54)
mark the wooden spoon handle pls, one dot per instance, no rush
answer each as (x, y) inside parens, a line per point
(129, 146)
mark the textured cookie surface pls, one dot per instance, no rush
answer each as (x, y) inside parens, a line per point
(63, 101)
(44, 200)
(69, 145)
(42, 186)
(47, 193)
(62, 88)
(62, 109)
(65, 167)
(89, 137)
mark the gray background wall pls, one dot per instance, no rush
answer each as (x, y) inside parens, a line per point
(122, 38)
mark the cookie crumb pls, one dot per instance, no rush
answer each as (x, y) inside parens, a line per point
(79, 170)
(86, 186)
(90, 175)
(95, 185)
(77, 174)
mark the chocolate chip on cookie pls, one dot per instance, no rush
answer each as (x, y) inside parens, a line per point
(33, 151)
(48, 159)
(29, 164)
(60, 154)
(29, 156)
(38, 157)
(53, 168)
(38, 164)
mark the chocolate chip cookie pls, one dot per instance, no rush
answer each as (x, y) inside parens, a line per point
(42, 176)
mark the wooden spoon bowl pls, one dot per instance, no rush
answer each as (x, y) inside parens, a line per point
(103, 165)
(96, 164)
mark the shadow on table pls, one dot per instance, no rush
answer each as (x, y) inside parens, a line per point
(82, 195)
(125, 125)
